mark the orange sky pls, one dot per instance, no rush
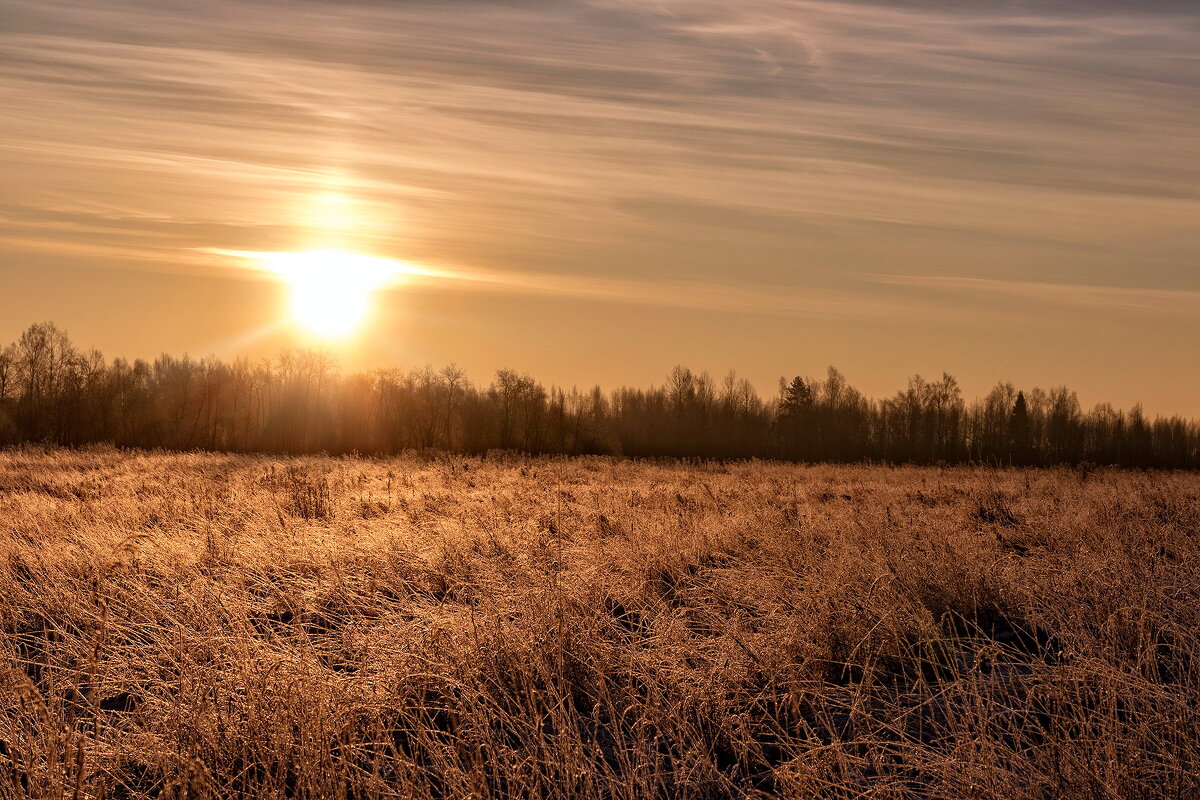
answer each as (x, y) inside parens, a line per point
(599, 190)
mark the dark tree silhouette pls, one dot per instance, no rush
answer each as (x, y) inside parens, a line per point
(52, 392)
(796, 418)
(1020, 442)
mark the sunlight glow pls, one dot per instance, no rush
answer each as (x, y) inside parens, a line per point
(331, 289)
(333, 212)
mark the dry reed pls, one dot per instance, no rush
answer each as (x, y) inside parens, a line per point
(198, 625)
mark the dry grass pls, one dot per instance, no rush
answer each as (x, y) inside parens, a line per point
(217, 626)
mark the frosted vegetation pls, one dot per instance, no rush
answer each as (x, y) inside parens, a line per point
(201, 625)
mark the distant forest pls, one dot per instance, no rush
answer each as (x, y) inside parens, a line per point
(53, 392)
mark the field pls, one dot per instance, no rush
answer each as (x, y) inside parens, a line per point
(200, 625)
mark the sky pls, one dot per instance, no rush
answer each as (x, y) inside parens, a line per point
(593, 191)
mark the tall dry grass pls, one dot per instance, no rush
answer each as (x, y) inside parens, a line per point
(215, 626)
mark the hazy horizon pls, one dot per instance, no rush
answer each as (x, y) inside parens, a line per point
(593, 192)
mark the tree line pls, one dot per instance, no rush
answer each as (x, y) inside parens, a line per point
(51, 391)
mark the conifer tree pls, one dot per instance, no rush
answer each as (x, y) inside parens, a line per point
(1018, 431)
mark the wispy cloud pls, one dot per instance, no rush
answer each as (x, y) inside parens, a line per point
(1100, 298)
(687, 294)
(523, 113)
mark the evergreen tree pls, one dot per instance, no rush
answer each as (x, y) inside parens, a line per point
(797, 405)
(1018, 431)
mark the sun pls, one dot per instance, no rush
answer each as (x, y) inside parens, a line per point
(331, 289)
